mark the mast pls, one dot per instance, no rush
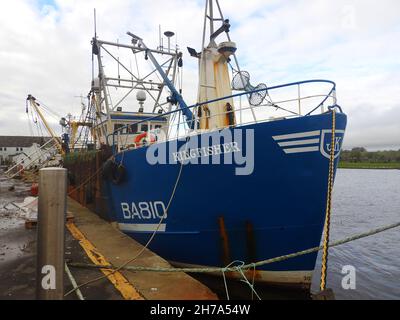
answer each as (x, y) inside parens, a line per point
(176, 97)
(103, 94)
(211, 17)
(214, 78)
(209, 14)
(136, 81)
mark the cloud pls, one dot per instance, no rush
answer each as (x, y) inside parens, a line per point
(46, 52)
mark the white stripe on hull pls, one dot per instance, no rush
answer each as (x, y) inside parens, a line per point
(298, 135)
(298, 142)
(301, 150)
(142, 227)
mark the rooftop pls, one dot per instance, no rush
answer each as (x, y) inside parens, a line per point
(21, 141)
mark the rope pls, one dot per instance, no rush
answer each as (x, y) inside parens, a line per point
(325, 252)
(239, 268)
(73, 282)
(247, 266)
(225, 284)
(251, 285)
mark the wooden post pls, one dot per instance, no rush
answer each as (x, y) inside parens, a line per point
(51, 233)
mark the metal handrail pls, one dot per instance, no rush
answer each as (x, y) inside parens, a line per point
(326, 97)
(34, 156)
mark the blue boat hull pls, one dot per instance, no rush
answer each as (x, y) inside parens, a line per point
(217, 216)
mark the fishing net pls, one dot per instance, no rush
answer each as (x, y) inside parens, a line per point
(256, 98)
(241, 82)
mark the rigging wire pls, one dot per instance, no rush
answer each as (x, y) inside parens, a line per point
(52, 113)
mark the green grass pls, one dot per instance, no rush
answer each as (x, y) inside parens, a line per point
(369, 165)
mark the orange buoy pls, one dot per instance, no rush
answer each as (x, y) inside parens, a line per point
(34, 189)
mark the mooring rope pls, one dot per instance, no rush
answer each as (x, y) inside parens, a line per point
(247, 266)
(327, 226)
(239, 268)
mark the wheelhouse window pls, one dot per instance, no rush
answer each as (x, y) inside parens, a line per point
(118, 126)
(144, 127)
(133, 128)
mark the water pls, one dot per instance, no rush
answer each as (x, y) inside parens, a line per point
(364, 200)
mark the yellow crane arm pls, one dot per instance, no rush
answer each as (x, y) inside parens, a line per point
(32, 101)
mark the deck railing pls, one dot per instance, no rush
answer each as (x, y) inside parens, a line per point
(284, 106)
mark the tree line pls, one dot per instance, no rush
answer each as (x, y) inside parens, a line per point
(362, 155)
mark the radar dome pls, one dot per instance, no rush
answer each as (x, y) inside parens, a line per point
(141, 96)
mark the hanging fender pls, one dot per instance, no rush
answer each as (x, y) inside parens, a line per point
(114, 172)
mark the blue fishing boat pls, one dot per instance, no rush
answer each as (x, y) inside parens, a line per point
(240, 175)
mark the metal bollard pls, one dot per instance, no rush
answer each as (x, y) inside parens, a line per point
(51, 233)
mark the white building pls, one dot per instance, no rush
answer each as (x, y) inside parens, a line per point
(12, 146)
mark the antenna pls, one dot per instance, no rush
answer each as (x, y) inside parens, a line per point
(94, 47)
(159, 37)
(95, 23)
(119, 75)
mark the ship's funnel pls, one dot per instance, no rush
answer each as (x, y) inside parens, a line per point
(214, 83)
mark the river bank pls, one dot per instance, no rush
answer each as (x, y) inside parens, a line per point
(369, 165)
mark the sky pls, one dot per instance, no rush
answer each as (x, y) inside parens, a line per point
(45, 51)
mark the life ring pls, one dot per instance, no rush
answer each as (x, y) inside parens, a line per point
(141, 139)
